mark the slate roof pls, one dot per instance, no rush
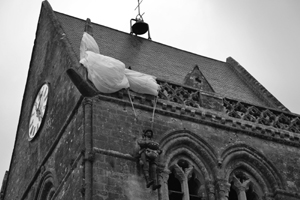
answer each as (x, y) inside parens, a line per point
(168, 63)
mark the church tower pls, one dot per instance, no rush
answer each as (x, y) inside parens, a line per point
(213, 132)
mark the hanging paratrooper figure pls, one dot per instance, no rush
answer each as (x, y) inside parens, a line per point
(149, 152)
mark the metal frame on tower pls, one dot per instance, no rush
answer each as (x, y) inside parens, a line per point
(139, 27)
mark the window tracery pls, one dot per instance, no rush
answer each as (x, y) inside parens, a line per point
(244, 187)
(183, 182)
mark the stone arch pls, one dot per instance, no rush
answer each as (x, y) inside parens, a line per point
(192, 158)
(47, 186)
(189, 144)
(186, 145)
(241, 156)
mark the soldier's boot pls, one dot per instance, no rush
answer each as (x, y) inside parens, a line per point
(155, 184)
(149, 181)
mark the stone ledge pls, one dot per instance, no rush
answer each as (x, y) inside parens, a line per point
(205, 116)
(114, 153)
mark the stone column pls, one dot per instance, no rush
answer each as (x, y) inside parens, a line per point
(163, 179)
(240, 188)
(223, 189)
(211, 192)
(181, 176)
(187, 173)
(88, 155)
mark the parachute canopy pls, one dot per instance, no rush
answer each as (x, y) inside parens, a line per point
(142, 83)
(109, 74)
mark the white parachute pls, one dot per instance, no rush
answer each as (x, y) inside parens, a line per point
(142, 83)
(88, 43)
(109, 74)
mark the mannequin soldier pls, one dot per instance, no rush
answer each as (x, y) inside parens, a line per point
(149, 151)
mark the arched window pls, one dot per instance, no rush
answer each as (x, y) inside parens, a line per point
(251, 194)
(174, 185)
(243, 187)
(46, 188)
(194, 186)
(183, 181)
(232, 193)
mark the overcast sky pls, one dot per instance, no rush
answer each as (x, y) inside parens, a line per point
(262, 35)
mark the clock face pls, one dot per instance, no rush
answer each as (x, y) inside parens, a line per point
(38, 111)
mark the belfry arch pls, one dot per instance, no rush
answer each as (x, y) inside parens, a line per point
(249, 173)
(190, 163)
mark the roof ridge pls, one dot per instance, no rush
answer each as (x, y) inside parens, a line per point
(142, 38)
(60, 30)
(255, 85)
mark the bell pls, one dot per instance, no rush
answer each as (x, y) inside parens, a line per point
(140, 27)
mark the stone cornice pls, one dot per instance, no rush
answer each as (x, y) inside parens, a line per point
(114, 154)
(214, 113)
(210, 108)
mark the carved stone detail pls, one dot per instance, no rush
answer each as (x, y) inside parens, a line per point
(179, 94)
(223, 189)
(262, 115)
(211, 192)
(240, 186)
(179, 173)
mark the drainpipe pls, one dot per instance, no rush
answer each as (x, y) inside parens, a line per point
(88, 153)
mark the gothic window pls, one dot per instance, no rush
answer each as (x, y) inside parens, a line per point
(232, 193)
(194, 186)
(243, 187)
(183, 183)
(174, 185)
(46, 187)
(47, 191)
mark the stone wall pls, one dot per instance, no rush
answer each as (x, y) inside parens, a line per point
(50, 59)
(218, 148)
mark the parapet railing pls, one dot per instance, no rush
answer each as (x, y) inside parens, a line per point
(192, 97)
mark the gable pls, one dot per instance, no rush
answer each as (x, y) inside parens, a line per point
(196, 79)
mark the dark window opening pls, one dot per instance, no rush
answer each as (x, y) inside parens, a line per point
(51, 193)
(174, 186)
(251, 195)
(198, 79)
(183, 164)
(232, 194)
(173, 195)
(194, 185)
(47, 191)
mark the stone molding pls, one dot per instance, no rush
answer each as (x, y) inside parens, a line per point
(47, 184)
(114, 153)
(242, 155)
(188, 143)
(204, 116)
(264, 116)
